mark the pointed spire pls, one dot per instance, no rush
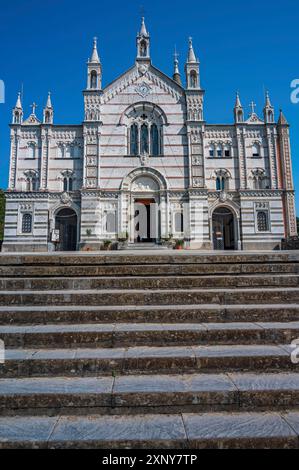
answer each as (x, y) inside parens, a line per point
(95, 56)
(268, 101)
(49, 102)
(268, 110)
(176, 72)
(17, 112)
(18, 103)
(238, 110)
(143, 30)
(48, 113)
(238, 101)
(282, 121)
(191, 54)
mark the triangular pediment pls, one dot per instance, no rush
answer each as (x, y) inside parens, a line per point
(254, 119)
(143, 79)
(31, 121)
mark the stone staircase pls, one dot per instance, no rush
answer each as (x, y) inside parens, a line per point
(149, 350)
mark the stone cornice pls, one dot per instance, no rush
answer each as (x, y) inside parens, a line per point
(260, 193)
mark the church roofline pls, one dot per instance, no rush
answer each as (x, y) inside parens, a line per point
(118, 78)
(180, 88)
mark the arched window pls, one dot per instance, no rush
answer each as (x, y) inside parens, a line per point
(212, 151)
(145, 130)
(179, 222)
(193, 79)
(218, 184)
(47, 117)
(262, 221)
(227, 151)
(255, 150)
(219, 151)
(110, 222)
(67, 183)
(143, 49)
(144, 139)
(134, 139)
(258, 182)
(155, 150)
(27, 223)
(240, 116)
(93, 79)
(31, 181)
(222, 182)
(68, 151)
(31, 151)
(60, 151)
(17, 119)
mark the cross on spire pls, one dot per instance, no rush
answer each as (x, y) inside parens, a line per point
(33, 106)
(175, 55)
(252, 106)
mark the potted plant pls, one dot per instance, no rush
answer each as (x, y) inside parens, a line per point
(123, 240)
(179, 244)
(86, 246)
(107, 245)
(168, 241)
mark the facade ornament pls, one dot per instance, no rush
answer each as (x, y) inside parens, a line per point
(144, 159)
(143, 89)
(142, 69)
(65, 198)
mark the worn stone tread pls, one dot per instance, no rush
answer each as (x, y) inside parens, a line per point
(200, 313)
(207, 430)
(158, 334)
(105, 327)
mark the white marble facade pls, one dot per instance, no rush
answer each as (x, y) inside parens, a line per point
(144, 140)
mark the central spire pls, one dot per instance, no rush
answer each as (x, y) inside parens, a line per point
(143, 42)
(143, 31)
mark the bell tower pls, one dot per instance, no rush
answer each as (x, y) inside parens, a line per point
(143, 43)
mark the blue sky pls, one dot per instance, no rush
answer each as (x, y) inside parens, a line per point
(245, 46)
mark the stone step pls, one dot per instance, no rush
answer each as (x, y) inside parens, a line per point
(176, 269)
(15, 315)
(103, 335)
(161, 257)
(149, 282)
(161, 394)
(151, 297)
(175, 431)
(145, 360)
(169, 256)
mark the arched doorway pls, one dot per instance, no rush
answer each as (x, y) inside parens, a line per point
(223, 224)
(66, 223)
(145, 220)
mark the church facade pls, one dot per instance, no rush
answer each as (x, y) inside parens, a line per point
(145, 166)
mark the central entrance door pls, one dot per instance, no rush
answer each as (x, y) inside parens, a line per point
(66, 223)
(145, 221)
(223, 229)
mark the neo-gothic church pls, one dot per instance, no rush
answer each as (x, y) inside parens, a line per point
(144, 141)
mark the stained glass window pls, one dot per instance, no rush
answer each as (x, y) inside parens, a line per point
(144, 139)
(134, 140)
(27, 223)
(262, 221)
(155, 140)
